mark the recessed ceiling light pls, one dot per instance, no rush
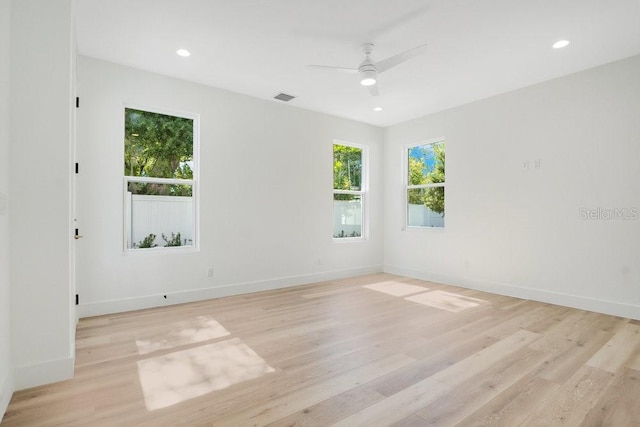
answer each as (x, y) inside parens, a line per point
(560, 44)
(377, 109)
(183, 52)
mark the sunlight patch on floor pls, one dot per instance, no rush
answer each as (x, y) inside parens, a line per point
(446, 300)
(183, 375)
(397, 289)
(190, 331)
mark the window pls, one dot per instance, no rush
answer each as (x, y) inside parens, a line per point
(349, 186)
(425, 184)
(159, 180)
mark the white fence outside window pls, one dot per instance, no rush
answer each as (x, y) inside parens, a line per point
(159, 215)
(422, 216)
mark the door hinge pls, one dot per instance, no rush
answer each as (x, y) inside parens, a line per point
(77, 102)
(77, 167)
(77, 299)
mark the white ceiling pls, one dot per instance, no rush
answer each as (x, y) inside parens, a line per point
(477, 48)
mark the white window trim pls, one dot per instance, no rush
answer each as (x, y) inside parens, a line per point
(405, 182)
(193, 182)
(364, 192)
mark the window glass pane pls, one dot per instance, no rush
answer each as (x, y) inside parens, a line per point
(159, 215)
(426, 164)
(157, 145)
(425, 207)
(347, 215)
(347, 168)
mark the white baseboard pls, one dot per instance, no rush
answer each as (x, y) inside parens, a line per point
(27, 376)
(151, 301)
(567, 300)
(6, 391)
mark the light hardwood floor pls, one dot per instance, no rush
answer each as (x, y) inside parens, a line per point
(377, 350)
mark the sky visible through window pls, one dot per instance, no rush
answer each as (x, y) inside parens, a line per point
(425, 154)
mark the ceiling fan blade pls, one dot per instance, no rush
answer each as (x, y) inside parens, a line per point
(373, 90)
(342, 69)
(392, 61)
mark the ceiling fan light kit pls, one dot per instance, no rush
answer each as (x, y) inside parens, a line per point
(368, 70)
(368, 77)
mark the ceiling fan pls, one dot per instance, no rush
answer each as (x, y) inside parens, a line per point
(368, 70)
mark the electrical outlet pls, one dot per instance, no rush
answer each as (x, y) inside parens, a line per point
(210, 272)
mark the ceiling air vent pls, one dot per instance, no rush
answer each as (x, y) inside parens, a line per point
(284, 97)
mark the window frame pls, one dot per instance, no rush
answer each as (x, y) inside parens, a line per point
(363, 192)
(195, 188)
(407, 187)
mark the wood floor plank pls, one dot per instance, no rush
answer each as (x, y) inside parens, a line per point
(476, 392)
(411, 399)
(398, 406)
(347, 355)
(562, 362)
(619, 406)
(618, 350)
(634, 361)
(425, 367)
(276, 409)
(240, 399)
(512, 406)
(332, 409)
(557, 314)
(508, 327)
(571, 403)
(570, 328)
(448, 336)
(458, 373)
(411, 421)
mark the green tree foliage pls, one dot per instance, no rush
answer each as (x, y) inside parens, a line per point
(158, 146)
(432, 197)
(174, 240)
(147, 242)
(342, 234)
(416, 177)
(347, 170)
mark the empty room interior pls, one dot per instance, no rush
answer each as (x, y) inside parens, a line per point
(236, 213)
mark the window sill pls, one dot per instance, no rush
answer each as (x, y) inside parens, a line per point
(416, 227)
(161, 251)
(349, 239)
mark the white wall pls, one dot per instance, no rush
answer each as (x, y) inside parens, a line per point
(519, 231)
(255, 154)
(40, 169)
(6, 380)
